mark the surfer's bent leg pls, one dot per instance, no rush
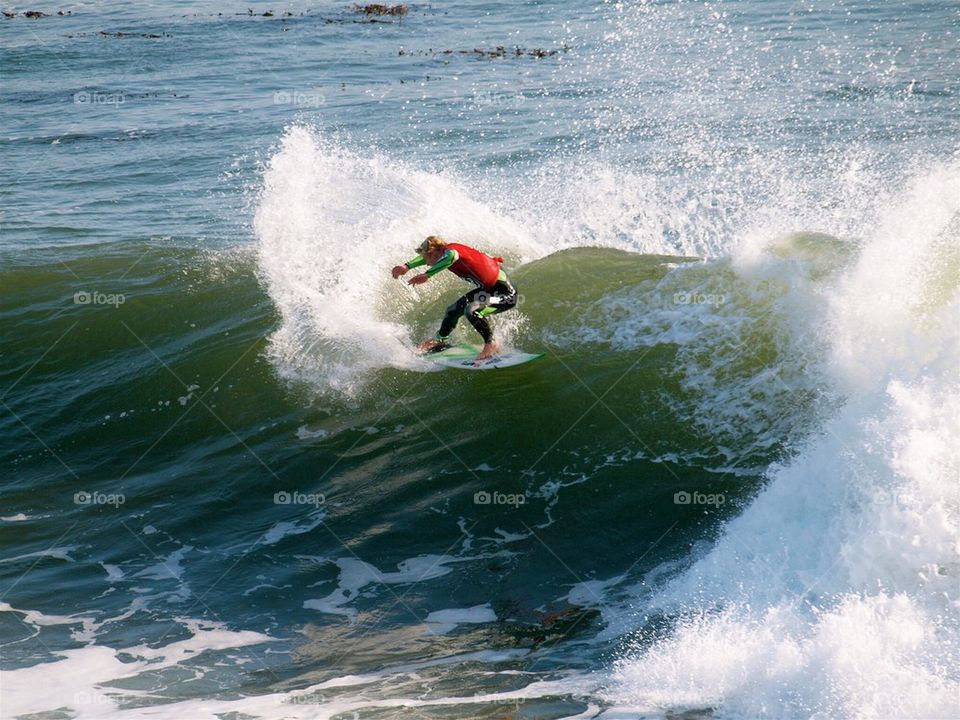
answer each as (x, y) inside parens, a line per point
(454, 312)
(501, 297)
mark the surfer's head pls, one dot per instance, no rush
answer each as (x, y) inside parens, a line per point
(432, 248)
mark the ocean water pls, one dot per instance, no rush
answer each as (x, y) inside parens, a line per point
(230, 490)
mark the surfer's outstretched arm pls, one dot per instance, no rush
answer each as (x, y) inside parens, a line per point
(448, 258)
(399, 270)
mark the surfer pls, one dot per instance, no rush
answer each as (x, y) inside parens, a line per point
(493, 292)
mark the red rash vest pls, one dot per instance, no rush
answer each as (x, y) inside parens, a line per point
(475, 266)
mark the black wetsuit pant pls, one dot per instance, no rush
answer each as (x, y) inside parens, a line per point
(476, 305)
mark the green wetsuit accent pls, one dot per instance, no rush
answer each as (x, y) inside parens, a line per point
(448, 259)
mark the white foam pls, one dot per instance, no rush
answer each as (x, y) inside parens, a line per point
(58, 553)
(835, 593)
(168, 568)
(282, 529)
(35, 617)
(356, 574)
(305, 433)
(113, 572)
(250, 591)
(440, 622)
(83, 681)
(79, 680)
(591, 592)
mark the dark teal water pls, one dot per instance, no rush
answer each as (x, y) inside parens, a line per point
(230, 489)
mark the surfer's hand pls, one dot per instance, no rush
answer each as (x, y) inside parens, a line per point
(399, 270)
(418, 279)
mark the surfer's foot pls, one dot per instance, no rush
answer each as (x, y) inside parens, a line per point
(432, 346)
(489, 350)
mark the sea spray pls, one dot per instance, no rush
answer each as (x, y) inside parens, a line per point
(835, 592)
(330, 225)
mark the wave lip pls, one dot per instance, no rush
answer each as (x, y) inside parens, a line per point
(330, 225)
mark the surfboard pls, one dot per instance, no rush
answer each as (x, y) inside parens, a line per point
(464, 357)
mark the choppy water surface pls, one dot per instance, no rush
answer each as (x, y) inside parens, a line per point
(230, 488)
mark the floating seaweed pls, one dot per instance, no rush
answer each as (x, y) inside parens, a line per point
(34, 14)
(499, 51)
(532, 630)
(105, 33)
(265, 13)
(379, 9)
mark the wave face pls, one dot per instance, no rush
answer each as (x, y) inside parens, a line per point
(728, 490)
(835, 359)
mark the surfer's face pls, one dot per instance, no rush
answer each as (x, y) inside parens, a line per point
(433, 256)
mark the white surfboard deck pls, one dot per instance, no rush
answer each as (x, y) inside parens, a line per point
(464, 357)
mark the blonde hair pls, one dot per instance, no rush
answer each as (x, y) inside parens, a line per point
(433, 242)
